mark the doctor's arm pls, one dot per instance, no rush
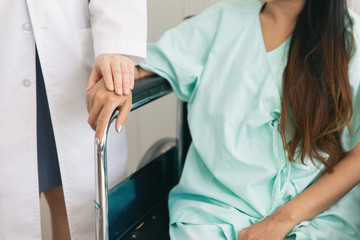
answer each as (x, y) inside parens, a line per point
(321, 195)
(119, 29)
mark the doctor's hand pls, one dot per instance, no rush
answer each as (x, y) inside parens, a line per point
(101, 103)
(273, 227)
(117, 72)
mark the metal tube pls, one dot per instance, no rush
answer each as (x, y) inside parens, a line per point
(101, 187)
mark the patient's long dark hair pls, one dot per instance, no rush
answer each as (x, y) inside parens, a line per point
(317, 101)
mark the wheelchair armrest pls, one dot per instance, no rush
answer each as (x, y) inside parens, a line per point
(149, 89)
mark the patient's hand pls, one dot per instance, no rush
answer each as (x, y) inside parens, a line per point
(272, 227)
(101, 103)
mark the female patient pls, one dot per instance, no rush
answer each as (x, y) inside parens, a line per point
(272, 91)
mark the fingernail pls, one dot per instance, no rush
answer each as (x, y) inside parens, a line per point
(119, 129)
(119, 91)
(126, 91)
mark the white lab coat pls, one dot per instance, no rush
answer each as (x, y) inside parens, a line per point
(67, 47)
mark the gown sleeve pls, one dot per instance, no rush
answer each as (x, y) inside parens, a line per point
(181, 53)
(351, 136)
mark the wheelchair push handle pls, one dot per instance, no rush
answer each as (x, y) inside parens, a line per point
(145, 91)
(101, 185)
(101, 208)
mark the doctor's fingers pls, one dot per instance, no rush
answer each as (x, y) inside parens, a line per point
(123, 75)
(132, 75)
(127, 69)
(107, 74)
(117, 76)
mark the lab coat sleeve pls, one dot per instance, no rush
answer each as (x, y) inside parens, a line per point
(181, 54)
(119, 26)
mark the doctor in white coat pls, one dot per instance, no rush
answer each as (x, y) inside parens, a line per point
(68, 35)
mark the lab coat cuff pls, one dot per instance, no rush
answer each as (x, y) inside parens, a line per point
(135, 50)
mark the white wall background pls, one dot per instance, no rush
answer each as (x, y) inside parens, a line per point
(354, 5)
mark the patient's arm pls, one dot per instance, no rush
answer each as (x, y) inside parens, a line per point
(141, 73)
(321, 195)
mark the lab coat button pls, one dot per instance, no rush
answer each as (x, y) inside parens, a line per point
(26, 28)
(26, 83)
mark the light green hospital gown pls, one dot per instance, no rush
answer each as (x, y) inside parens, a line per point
(237, 171)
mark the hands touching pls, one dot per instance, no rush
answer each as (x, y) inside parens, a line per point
(101, 103)
(111, 72)
(109, 87)
(117, 72)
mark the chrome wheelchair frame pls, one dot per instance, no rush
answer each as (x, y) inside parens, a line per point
(151, 183)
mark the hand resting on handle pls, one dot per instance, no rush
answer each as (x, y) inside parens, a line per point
(101, 103)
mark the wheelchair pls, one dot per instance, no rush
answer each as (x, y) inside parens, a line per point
(136, 208)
